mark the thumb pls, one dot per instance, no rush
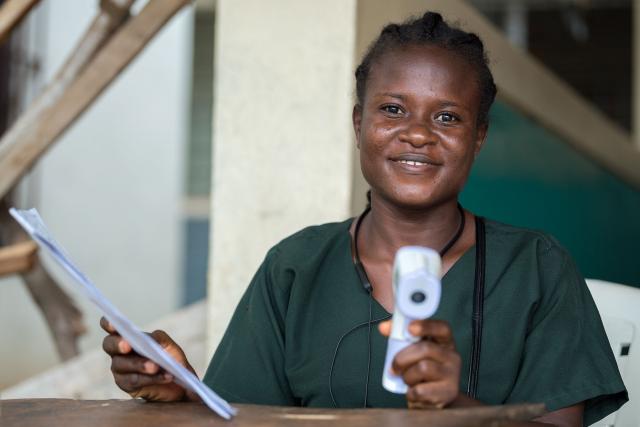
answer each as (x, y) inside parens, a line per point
(163, 339)
(385, 328)
(172, 348)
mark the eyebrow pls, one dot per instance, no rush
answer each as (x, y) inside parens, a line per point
(449, 104)
(394, 95)
(443, 104)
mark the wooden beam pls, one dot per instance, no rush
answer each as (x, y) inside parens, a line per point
(63, 317)
(17, 258)
(119, 51)
(11, 14)
(111, 16)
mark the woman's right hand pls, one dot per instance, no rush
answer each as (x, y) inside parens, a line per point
(139, 376)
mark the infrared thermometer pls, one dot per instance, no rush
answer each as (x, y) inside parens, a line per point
(417, 290)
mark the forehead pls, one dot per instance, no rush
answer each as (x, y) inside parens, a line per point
(424, 71)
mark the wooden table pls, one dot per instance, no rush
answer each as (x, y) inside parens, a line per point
(98, 413)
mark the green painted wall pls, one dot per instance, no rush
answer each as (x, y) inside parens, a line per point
(527, 176)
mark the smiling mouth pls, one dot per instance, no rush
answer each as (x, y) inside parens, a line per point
(413, 162)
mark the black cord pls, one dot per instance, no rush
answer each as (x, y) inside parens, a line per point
(478, 309)
(362, 273)
(456, 236)
(366, 383)
(335, 353)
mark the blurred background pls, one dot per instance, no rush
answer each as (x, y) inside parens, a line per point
(232, 129)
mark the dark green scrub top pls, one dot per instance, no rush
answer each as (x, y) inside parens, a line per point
(543, 339)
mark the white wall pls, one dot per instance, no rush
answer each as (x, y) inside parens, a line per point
(110, 189)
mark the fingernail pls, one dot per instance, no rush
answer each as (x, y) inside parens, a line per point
(149, 366)
(167, 377)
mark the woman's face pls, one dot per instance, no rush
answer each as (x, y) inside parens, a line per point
(417, 128)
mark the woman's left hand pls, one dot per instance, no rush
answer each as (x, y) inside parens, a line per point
(431, 366)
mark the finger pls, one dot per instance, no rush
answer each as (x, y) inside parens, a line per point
(133, 364)
(385, 328)
(438, 394)
(425, 370)
(115, 344)
(423, 350)
(172, 348)
(163, 339)
(133, 382)
(435, 330)
(107, 326)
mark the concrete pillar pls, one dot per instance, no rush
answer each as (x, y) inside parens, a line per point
(282, 134)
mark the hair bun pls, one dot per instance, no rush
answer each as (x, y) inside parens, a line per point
(391, 29)
(430, 21)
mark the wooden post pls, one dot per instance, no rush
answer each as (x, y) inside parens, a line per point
(63, 317)
(11, 14)
(111, 16)
(119, 51)
(17, 258)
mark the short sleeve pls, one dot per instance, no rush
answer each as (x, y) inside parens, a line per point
(248, 365)
(567, 358)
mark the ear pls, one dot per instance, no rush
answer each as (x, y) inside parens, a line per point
(356, 117)
(481, 137)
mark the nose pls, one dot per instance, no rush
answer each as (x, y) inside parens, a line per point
(417, 134)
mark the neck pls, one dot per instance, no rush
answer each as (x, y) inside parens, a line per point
(389, 227)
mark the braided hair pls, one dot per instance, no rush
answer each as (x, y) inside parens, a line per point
(430, 29)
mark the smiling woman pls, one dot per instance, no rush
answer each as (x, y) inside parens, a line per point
(300, 334)
(414, 97)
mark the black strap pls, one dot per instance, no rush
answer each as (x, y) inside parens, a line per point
(478, 309)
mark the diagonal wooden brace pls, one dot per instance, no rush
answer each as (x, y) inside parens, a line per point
(17, 258)
(111, 16)
(119, 51)
(11, 14)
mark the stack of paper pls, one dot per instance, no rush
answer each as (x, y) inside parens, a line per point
(143, 344)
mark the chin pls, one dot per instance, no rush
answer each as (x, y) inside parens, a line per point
(419, 198)
(415, 200)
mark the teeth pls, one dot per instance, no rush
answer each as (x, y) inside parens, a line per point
(411, 162)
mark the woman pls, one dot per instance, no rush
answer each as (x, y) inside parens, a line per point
(301, 334)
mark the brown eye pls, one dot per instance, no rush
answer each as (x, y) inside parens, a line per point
(394, 110)
(446, 118)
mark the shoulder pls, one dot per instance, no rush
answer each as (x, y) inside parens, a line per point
(537, 249)
(310, 241)
(304, 252)
(290, 261)
(533, 259)
(518, 238)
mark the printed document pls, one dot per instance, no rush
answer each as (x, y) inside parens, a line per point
(142, 343)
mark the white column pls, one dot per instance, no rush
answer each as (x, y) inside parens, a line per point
(282, 135)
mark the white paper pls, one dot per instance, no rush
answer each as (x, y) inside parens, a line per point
(143, 344)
